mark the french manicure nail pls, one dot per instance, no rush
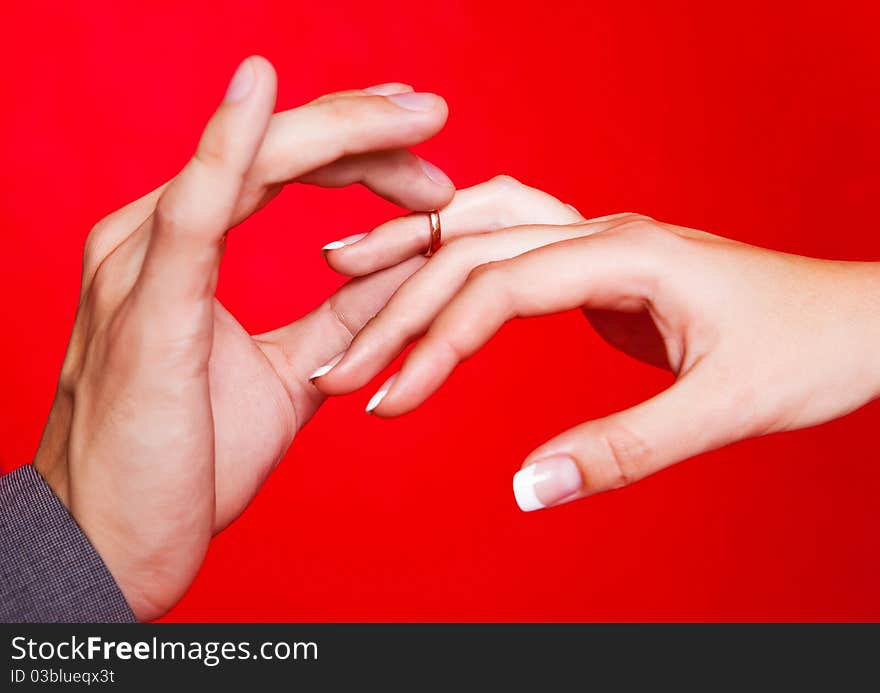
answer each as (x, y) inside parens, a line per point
(387, 89)
(342, 242)
(241, 82)
(414, 100)
(434, 173)
(546, 482)
(325, 369)
(376, 399)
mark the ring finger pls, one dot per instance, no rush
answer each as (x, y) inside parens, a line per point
(498, 203)
(422, 297)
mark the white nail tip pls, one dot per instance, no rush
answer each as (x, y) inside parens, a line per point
(342, 242)
(323, 370)
(524, 489)
(327, 367)
(376, 399)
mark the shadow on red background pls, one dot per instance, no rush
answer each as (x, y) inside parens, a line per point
(758, 121)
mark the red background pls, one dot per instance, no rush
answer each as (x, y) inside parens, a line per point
(754, 120)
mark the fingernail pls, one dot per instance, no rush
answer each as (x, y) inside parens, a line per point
(574, 209)
(546, 482)
(414, 100)
(387, 89)
(434, 173)
(380, 393)
(325, 369)
(342, 242)
(241, 82)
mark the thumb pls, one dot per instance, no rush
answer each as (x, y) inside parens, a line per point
(195, 210)
(685, 420)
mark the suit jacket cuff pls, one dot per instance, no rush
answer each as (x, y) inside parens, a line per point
(49, 572)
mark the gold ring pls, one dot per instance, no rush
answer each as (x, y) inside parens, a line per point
(436, 235)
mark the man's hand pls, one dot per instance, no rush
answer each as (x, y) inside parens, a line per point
(169, 416)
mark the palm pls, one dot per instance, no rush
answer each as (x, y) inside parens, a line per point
(254, 417)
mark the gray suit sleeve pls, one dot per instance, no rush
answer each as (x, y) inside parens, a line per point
(49, 572)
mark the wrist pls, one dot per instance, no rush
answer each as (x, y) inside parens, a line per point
(50, 460)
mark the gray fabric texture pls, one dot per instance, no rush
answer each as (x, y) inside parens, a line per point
(49, 572)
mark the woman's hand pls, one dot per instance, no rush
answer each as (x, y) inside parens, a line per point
(759, 341)
(168, 415)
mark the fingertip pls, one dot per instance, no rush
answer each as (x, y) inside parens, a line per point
(253, 73)
(442, 110)
(421, 102)
(431, 189)
(547, 481)
(436, 175)
(342, 259)
(389, 405)
(262, 65)
(343, 242)
(406, 390)
(319, 382)
(442, 107)
(442, 195)
(346, 259)
(267, 76)
(335, 380)
(380, 394)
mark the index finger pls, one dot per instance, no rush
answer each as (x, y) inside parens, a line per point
(313, 135)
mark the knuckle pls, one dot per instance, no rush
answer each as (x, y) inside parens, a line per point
(324, 98)
(647, 232)
(339, 116)
(340, 317)
(490, 278)
(340, 110)
(167, 215)
(628, 454)
(486, 273)
(505, 182)
(213, 149)
(97, 242)
(509, 200)
(652, 251)
(445, 350)
(335, 96)
(622, 217)
(658, 243)
(639, 227)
